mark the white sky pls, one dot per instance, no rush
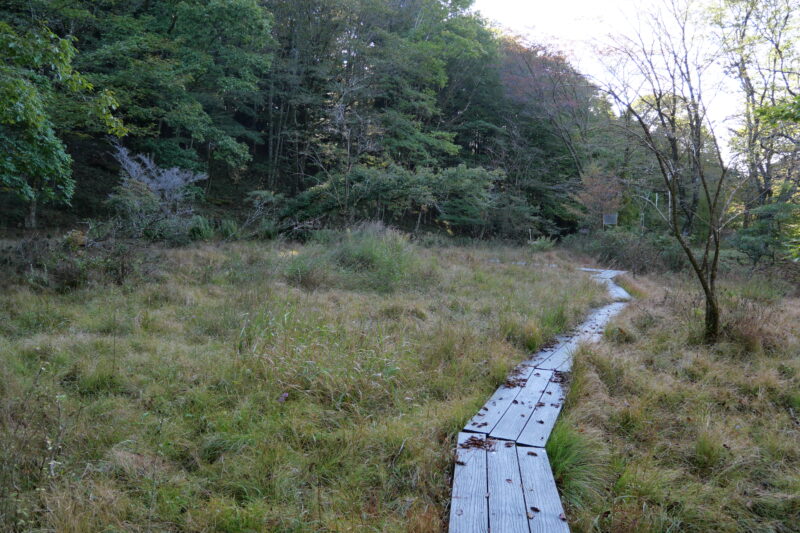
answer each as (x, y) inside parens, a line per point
(578, 27)
(570, 25)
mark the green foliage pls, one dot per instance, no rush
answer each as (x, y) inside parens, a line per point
(464, 196)
(638, 253)
(579, 462)
(394, 108)
(542, 244)
(229, 229)
(369, 256)
(770, 233)
(201, 229)
(36, 76)
(787, 110)
(460, 198)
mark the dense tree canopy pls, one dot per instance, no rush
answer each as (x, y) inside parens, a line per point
(416, 112)
(292, 96)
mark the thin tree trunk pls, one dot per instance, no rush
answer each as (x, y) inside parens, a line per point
(30, 218)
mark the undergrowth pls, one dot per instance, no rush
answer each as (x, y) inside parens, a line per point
(670, 434)
(265, 386)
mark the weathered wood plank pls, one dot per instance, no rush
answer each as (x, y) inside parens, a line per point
(506, 502)
(538, 428)
(544, 354)
(562, 356)
(493, 410)
(521, 409)
(542, 501)
(469, 508)
(617, 292)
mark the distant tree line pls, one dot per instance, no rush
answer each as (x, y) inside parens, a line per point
(415, 111)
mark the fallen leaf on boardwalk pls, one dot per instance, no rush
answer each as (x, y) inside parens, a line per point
(479, 443)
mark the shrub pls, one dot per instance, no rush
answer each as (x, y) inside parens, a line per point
(309, 270)
(542, 244)
(376, 257)
(200, 229)
(369, 256)
(637, 253)
(229, 229)
(769, 236)
(266, 230)
(152, 202)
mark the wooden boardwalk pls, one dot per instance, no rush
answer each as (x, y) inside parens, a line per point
(502, 480)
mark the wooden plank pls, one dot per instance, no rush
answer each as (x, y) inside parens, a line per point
(507, 512)
(541, 422)
(469, 510)
(544, 354)
(494, 409)
(542, 501)
(519, 412)
(562, 355)
(617, 292)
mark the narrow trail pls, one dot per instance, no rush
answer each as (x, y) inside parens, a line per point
(502, 481)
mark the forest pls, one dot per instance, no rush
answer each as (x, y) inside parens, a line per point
(313, 216)
(415, 113)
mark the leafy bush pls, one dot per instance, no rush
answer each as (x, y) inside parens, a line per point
(636, 253)
(201, 229)
(229, 229)
(771, 234)
(152, 202)
(542, 244)
(461, 198)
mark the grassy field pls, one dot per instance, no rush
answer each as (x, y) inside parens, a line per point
(662, 433)
(283, 387)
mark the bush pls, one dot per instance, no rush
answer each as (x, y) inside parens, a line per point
(628, 251)
(770, 236)
(370, 256)
(229, 229)
(376, 257)
(73, 262)
(542, 244)
(266, 230)
(200, 229)
(152, 202)
(309, 271)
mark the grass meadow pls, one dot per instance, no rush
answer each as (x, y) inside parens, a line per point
(285, 387)
(662, 433)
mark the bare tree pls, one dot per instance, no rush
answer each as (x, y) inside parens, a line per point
(171, 185)
(659, 79)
